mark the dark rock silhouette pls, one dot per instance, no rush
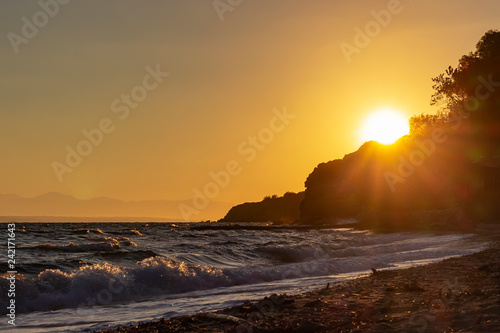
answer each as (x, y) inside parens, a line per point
(445, 174)
(279, 210)
(448, 162)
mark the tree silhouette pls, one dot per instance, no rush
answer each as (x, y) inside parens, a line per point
(471, 91)
(456, 85)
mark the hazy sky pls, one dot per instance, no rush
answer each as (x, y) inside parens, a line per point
(72, 71)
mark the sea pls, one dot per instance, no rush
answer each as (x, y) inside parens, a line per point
(81, 277)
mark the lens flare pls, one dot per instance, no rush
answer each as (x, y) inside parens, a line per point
(385, 126)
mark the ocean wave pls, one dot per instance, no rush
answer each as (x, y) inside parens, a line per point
(354, 247)
(38, 231)
(131, 232)
(87, 231)
(106, 283)
(133, 274)
(72, 247)
(122, 240)
(129, 255)
(284, 254)
(106, 244)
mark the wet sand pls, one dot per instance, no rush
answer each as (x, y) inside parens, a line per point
(453, 295)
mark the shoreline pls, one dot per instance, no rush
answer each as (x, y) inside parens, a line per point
(456, 294)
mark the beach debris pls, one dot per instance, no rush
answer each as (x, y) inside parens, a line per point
(280, 300)
(413, 287)
(187, 321)
(225, 317)
(382, 327)
(315, 304)
(485, 268)
(388, 306)
(269, 305)
(306, 326)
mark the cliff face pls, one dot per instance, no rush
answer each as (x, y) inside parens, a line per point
(342, 188)
(392, 186)
(383, 184)
(449, 161)
(410, 184)
(283, 210)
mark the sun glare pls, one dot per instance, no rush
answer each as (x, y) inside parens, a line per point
(385, 126)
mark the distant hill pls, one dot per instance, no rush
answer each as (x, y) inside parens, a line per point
(57, 204)
(282, 210)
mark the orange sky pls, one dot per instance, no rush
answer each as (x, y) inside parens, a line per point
(225, 79)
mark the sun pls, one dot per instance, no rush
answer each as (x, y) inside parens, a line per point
(385, 126)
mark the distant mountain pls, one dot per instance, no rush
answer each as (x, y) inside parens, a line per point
(57, 204)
